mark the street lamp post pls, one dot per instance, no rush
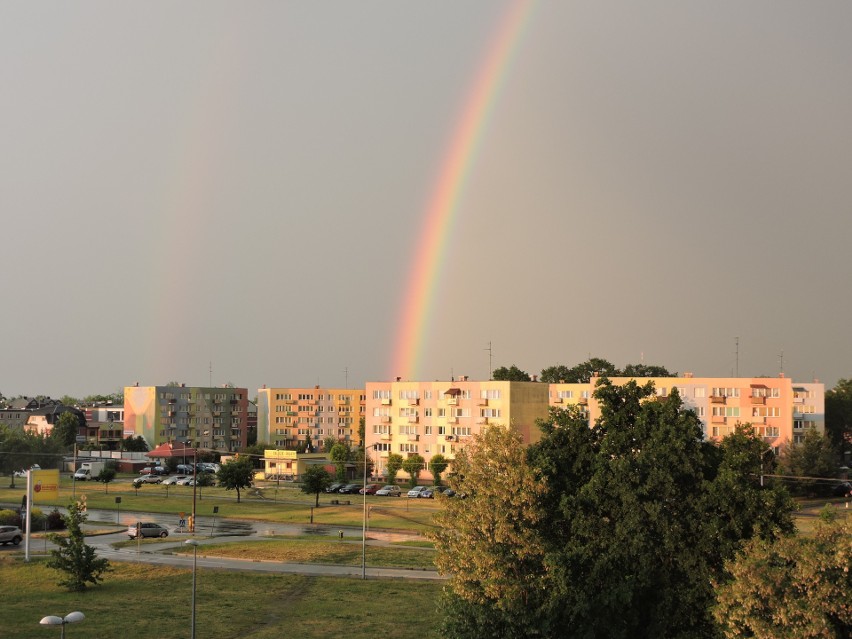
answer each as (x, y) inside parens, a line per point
(194, 544)
(53, 620)
(364, 525)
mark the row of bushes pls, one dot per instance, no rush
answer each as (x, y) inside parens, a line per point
(39, 521)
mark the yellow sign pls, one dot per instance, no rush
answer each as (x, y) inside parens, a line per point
(45, 486)
(279, 454)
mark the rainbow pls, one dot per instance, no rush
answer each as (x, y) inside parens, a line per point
(417, 305)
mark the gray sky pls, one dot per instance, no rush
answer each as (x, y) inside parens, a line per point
(246, 184)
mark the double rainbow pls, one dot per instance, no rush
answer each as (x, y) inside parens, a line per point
(417, 305)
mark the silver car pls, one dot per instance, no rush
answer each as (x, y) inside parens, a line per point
(147, 529)
(10, 535)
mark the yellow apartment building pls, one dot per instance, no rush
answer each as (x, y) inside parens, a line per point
(288, 417)
(430, 418)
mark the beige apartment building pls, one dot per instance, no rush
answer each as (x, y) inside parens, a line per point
(289, 417)
(779, 409)
(430, 418)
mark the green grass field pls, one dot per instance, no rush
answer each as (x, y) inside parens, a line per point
(138, 601)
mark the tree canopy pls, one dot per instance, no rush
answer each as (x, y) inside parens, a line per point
(838, 415)
(616, 530)
(815, 456)
(583, 372)
(511, 374)
(315, 479)
(74, 557)
(236, 474)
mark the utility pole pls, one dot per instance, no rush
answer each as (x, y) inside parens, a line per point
(490, 362)
(737, 354)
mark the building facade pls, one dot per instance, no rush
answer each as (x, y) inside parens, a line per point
(211, 418)
(779, 409)
(289, 418)
(430, 418)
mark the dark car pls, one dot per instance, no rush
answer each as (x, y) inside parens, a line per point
(842, 490)
(147, 529)
(350, 489)
(333, 488)
(154, 470)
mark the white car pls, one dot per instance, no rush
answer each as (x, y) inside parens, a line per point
(186, 481)
(174, 479)
(417, 491)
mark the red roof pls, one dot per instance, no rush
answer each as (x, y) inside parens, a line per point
(173, 449)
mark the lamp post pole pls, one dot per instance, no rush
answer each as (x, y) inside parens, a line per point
(53, 620)
(364, 524)
(194, 544)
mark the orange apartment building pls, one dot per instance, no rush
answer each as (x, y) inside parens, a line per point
(779, 409)
(428, 418)
(288, 417)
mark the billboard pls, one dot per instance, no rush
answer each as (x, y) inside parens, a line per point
(45, 486)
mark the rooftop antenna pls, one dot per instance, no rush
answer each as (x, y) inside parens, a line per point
(737, 355)
(211, 374)
(490, 362)
(781, 362)
(346, 373)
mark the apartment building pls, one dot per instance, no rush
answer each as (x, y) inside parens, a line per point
(779, 409)
(428, 418)
(213, 418)
(290, 417)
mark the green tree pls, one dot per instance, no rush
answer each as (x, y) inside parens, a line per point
(134, 444)
(581, 373)
(77, 560)
(645, 370)
(328, 443)
(315, 479)
(815, 456)
(838, 415)
(393, 466)
(437, 465)
(413, 464)
(790, 588)
(511, 374)
(362, 431)
(66, 427)
(490, 543)
(557, 374)
(67, 400)
(236, 474)
(106, 475)
(339, 454)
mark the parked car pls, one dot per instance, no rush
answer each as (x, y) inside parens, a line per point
(389, 491)
(153, 470)
(428, 493)
(446, 491)
(370, 489)
(333, 488)
(417, 491)
(147, 479)
(174, 479)
(842, 490)
(186, 481)
(185, 469)
(10, 535)
(147, 529)
(350, 489)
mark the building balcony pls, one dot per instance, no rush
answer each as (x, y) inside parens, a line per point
(482, 401)
(414, 402)
(583, 401)
(386, 402)
(385, 437)
(557, 400)
(385, 419)
(718, 399)
(758, 400)
(452, 420)
(413, 419)
(413, 438)
(452, 401)
(482, 420)
(717, 419)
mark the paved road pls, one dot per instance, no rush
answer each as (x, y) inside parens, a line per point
(208, 531)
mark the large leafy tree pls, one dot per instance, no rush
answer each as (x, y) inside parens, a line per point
(489, 543)
(437, 465)
(66, 427)
(814, 456)
(236, 474)
(74, 557)
(392, 466)
(315, 479)
(413, 464)
(633, 519)
(339, 454)
(581, 373)
(838, 415)
(791, 588)
(646, 370)
(511, 374)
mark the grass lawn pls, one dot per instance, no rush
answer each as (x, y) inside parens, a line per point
(268, 503)
(309, 551)
(139, 601)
